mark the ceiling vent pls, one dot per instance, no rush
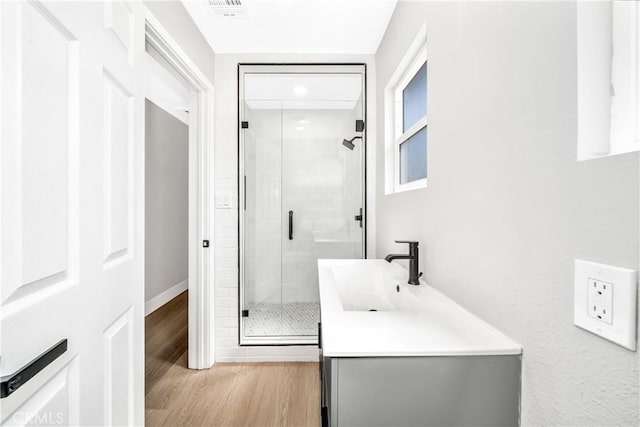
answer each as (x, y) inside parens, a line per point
(228, 8)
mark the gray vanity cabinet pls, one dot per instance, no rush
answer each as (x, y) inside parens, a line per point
(421, 391)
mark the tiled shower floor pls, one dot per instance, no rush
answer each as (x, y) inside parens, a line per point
(294, 318)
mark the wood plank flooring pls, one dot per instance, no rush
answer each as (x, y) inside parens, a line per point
(229, 394)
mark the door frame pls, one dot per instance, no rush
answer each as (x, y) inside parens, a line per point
(284, 68)
(201, 340)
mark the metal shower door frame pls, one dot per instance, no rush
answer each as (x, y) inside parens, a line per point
(288, 68)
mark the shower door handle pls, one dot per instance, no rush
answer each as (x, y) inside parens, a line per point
(290, 225)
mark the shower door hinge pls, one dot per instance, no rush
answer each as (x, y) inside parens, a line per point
(205, 243)
(359, 125)
(359, 217)
(244, 125)
(245, 313)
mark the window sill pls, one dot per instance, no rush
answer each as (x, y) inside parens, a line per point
(590, 156)
(414, 185)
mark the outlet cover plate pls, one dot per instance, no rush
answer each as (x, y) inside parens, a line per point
(620, 326)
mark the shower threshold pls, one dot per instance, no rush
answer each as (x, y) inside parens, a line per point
(279, 324)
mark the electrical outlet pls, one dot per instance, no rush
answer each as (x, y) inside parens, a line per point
(605, 301)
(600, 297)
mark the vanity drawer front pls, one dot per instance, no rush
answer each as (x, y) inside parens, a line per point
(428, 391)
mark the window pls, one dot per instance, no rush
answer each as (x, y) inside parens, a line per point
(406, 121)
(411, 127)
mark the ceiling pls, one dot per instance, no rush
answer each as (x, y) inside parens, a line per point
(295, 26)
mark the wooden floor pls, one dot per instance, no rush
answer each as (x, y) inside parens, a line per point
(229, 394)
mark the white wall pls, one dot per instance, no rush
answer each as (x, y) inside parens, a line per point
(508, 207)
(226, 245)
(166, 204)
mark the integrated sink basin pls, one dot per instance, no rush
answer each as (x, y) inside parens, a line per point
(369, 309)
(368, 287)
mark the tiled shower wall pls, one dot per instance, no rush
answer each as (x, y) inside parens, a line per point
(226, 222)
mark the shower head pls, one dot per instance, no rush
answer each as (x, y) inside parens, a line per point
(349, 142)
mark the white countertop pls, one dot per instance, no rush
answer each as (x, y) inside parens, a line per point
(414, 321)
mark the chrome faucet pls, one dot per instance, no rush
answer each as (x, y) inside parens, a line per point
(412, 256)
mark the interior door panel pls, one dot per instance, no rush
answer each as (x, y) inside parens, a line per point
(71, 214)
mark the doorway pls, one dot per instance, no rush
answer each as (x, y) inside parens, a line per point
(200, 183)
(166, 222)
(166, 184)
(302, 146)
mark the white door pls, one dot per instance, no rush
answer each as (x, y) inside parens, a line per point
(71, 217)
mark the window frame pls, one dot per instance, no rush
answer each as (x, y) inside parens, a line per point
(399, 137)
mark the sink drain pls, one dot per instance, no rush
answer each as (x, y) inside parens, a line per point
(372, 309)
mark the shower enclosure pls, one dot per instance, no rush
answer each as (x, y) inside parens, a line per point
(301, 191)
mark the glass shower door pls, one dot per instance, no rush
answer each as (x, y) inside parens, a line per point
(262, 221)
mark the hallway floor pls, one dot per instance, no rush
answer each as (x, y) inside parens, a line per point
(229, 394)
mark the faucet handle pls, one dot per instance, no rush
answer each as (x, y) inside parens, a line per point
(411, 242)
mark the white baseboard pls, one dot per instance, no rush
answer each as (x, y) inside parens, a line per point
(158, 301)
(295, 353)
(255, 359)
